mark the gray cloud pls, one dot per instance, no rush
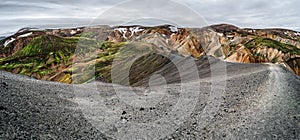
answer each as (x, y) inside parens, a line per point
(255, 13)
(52, 13)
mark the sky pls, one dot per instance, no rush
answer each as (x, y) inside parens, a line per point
(16, 14)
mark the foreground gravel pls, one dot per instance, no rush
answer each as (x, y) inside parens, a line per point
(38, 109)
(258, 102)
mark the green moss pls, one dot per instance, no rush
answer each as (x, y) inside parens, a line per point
(285, 48)
(50, 60)
(23, 71)
(39, 54)
(44, 72)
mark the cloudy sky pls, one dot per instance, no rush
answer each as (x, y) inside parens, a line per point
(16, 14)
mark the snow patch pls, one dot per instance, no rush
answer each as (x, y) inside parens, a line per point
(230, 37)
(134, 30)
(25, 35)
(121, 30)
(220, 34)
(73, 32)
(8, 41)
(13, 39)
(174, 29)
(252, 31)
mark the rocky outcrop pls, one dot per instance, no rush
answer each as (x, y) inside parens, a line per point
(242, 55)
(278, 46)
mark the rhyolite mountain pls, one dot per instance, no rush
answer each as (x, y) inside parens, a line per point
(80, 55)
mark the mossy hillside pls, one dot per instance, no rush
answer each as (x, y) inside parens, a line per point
(293, 62)
(46, 56)
(101, 67)
(80, 60)
(147, 57)
(46, 44)
(285, 48)
(41, 57)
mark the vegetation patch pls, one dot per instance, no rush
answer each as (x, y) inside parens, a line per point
(50, 57)
(285, 48)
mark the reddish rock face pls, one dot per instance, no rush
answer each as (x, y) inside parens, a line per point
(242, 55)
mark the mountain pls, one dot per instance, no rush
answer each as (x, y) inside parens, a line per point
(49, 54)
(163, 82)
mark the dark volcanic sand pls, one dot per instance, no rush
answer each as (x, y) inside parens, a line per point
(260, 101)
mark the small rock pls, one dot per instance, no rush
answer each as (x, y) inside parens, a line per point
(4, 84)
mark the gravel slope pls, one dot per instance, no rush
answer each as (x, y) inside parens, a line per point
(39, 109)
(259, 101)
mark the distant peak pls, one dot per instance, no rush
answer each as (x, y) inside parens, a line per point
(26, 29)
(223, 25)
